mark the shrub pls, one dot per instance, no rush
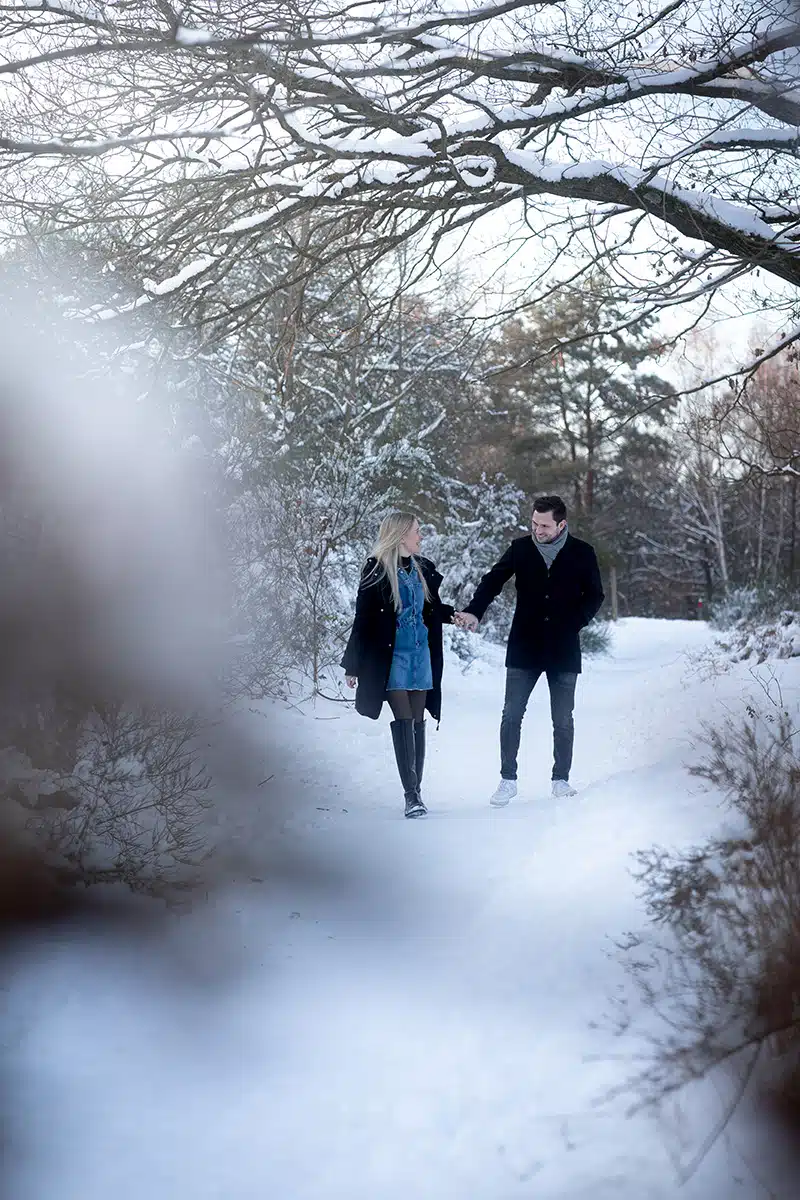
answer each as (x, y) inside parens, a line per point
(753, 605)
(130, 808)
(720, 962)
(596, 638)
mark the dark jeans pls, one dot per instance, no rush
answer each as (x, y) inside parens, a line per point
(519, 685)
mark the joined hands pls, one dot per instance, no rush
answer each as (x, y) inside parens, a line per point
(465, 620)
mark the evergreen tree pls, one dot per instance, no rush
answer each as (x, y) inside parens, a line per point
(578, 386)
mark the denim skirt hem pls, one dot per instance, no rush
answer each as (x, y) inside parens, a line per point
(411, 670)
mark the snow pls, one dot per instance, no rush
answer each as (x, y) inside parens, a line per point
(376, 172)
(764, 41)
(477, 170)
(385, 143)
(423, 1013)
(242, 224)
(421, 59)
(436, 43)
(772, 640)
(554, 172)
(559, 105)
(192, 37)
(750, 89)
(754, 137)
(735, 216)
(80, 9)
(99, 313)
(470, 15)
(192, 269)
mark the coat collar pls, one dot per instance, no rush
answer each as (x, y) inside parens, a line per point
(429, 571)
(432, 575)
(565, 550)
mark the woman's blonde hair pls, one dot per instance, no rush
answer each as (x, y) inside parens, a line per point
(393, 530)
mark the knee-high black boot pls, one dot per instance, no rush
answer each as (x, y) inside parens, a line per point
(419, 755)
(405, 753)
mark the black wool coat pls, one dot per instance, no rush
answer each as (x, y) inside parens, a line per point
(370, 647)
(552, 606)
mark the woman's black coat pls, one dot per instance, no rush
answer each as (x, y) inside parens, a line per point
(369, 650)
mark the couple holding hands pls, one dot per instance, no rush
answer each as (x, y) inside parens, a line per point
(394, 652)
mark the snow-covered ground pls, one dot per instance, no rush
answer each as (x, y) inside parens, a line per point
(421, 1013)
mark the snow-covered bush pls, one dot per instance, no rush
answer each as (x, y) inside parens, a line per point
(472, 654)
(596, 638)
(300, 540)
(478, 521)
(130, 809)
(776, 639)
(747, 607)
(757, 623)
(109, 613)
(737, 605)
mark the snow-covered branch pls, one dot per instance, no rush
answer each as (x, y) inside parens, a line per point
(377, 129)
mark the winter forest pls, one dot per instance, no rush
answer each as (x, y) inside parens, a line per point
(268, 272)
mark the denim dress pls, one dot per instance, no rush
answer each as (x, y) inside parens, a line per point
(411, 661)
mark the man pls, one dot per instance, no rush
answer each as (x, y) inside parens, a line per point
(558, 592)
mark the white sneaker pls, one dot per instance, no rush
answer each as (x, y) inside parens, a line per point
(562, 788)
(506, 790)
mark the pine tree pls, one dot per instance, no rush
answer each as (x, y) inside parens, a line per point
(576, 386)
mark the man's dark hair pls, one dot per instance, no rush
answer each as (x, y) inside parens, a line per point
(553, 504)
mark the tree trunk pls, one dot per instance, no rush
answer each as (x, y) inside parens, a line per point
(589, 487)
(762, 505)
(781, 533)
(708, 575)
(719, 538)
(792, 528)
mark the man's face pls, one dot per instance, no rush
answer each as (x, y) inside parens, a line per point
(544, 527)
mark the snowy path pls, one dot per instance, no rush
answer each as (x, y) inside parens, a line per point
(427, 1029)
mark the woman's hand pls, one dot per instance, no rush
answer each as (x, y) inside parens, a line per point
(351, 680)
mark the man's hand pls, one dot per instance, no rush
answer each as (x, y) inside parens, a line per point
(465, 620)
(351, 680)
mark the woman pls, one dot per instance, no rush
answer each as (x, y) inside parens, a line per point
(394, 651)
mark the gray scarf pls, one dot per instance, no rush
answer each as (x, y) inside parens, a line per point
(549, 550)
